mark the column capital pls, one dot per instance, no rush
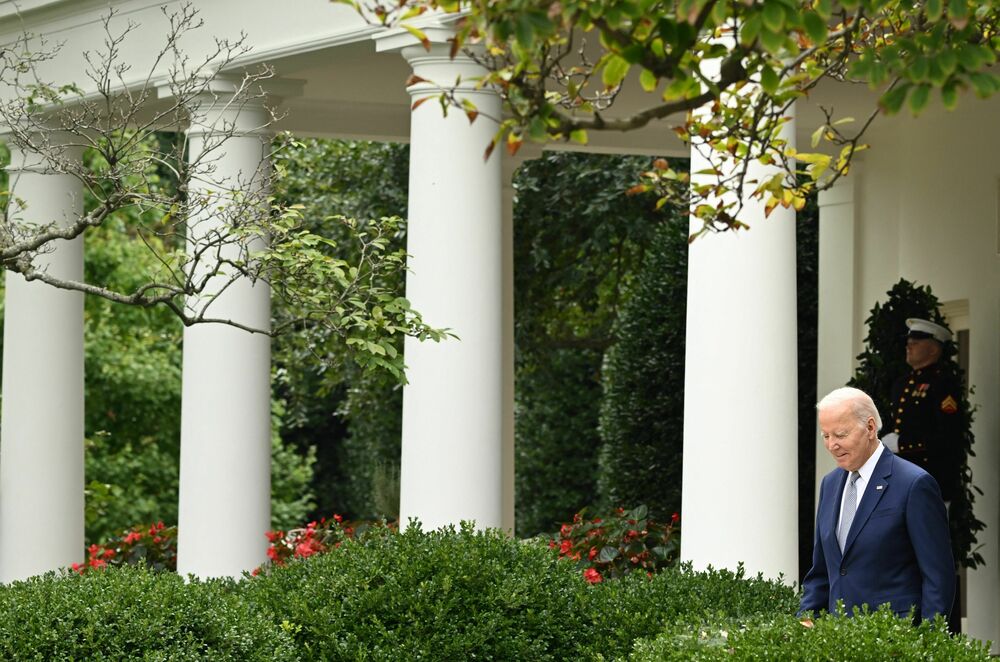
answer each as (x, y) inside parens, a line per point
(230, 101)
(60, 146)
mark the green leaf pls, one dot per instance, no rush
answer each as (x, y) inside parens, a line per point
(772, 41)
(919, 97)
(984, 84)
(615, 70)
(815, 27)
(648, 80)
(578, 136)
(773, 15)
(892, 100)
(607, 554)
(769, 80)
(949, 95)
(933, 9)
(750, 30)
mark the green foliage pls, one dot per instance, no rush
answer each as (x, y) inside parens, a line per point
(570, 278)
(642, 412)
(877, 636)
(444, 595)
(353, 418)
(133, 613)
(721, 75)
(884, 360)
(292, 498)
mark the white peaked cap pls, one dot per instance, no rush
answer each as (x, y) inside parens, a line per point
(936, 331)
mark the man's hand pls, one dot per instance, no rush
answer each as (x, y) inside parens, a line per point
(891, 442)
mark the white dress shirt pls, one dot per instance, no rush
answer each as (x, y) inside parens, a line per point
(866, 471)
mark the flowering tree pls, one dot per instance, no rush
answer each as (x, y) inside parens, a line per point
(561, 65)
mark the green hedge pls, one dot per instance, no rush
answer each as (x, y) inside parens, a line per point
(877, 636)
(453, 595)
(132, 613)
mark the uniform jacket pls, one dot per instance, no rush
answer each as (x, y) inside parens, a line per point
(898, 550)
(928, 419)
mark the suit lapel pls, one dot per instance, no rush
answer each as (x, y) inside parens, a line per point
(878, 486)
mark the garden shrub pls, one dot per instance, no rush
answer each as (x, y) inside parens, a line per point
(871, 636)
(133, 613)
(637, 606)
(454, 595)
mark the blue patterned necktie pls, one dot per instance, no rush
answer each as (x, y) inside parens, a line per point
(850, 505)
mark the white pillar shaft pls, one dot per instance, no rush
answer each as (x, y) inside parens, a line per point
(452, 446)
(836, 340)
(225, 474)
(740, 493)
(41, 449)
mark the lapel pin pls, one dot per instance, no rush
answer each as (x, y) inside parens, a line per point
(879, 487)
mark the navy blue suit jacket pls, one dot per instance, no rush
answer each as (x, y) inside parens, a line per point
(898, 550)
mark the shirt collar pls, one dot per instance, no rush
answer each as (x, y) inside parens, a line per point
(868, 468)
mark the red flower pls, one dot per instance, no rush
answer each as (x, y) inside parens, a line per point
(96, 563)
(337, 518)
(304, 550)
(592, 553)
(565, 530)
(674, 518)
(93, 550)
(108, 553)
(274, 536)
(132, 537)
(272, 553)
(592, 576)
(78, 568)
(565, 546)
(256, 572)
(552, 544)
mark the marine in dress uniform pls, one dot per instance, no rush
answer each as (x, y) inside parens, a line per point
(926, 421)
(926, 418)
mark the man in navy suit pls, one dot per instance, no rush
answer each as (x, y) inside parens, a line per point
(881, 526)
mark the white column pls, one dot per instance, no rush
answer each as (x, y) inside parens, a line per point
(837, 327)
(41, 449)
(740, 490)
(225, 473)
(452, 445)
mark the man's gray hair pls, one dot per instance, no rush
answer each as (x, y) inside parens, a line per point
(862, 406)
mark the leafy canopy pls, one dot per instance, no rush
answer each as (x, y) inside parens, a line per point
(723, 75)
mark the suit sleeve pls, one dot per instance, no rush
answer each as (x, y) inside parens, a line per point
(816, 585)
(927, 522)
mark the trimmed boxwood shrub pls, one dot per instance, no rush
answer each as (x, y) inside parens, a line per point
(637, 607)
(132, 613)
(876, 636)
(453, 595)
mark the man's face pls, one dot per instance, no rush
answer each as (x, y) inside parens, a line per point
(921, 352)
(850, 443)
